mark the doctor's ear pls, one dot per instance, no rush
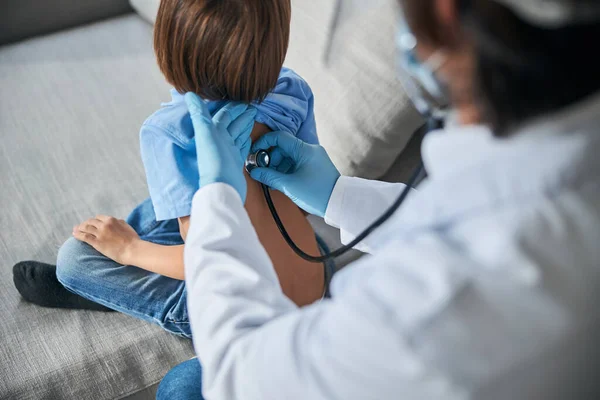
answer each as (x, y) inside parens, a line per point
(436, 23)
(439, 29)
(446, 12)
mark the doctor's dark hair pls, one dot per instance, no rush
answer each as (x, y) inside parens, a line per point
(222, 49)
(522, 71)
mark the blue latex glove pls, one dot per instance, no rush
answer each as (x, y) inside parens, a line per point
(302, 171)
(222, 142)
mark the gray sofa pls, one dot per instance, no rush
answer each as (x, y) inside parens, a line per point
(71, 106)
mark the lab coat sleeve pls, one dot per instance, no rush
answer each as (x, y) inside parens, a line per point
(231, 286)
(254, 344)
(356, 203)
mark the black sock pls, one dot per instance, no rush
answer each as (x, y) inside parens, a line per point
(38, 284)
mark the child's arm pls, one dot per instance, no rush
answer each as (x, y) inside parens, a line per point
(163, 260)
(118, 241)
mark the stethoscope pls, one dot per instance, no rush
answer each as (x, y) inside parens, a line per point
(262, 159)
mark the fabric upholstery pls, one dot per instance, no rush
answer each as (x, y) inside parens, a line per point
(364, 117)
(70, 114)
(146, 8)
(21, 19)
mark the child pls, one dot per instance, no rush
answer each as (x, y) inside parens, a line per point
(224, 51)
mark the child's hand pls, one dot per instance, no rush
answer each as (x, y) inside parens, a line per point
(110, 236)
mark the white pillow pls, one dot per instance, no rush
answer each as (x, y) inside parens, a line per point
(364, 117)
(146, 8)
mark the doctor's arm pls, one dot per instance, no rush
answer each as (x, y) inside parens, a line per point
(255, 344)
(252, 341)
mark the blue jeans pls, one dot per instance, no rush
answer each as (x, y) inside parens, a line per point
(128, 289)
(131, 290)
(182, 383)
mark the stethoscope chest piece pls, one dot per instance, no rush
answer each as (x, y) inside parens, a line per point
(260, 159)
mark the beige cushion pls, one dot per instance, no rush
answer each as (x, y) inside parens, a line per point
(364, 118)
(146, 8)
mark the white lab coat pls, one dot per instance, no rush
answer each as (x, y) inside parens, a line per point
(484, 285)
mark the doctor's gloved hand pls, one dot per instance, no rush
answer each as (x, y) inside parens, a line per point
(222, 142)
(302, 171)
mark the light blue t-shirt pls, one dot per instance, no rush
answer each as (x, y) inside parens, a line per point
(169, 150)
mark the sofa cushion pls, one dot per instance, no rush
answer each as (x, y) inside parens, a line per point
(146, 8)
(21, 19)
(364, 117)
(70, 114)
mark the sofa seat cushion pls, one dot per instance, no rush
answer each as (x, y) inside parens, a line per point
(71, 107)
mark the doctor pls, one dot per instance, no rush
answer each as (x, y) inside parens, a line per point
(485, 284)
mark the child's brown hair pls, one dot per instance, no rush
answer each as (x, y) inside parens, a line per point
(222, 49)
